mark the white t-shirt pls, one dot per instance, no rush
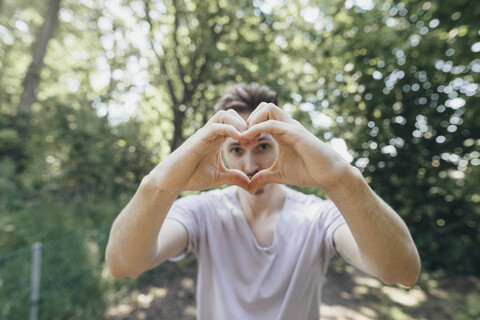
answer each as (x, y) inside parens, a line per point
(238, 278)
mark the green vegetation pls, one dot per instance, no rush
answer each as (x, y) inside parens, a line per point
(90, 104)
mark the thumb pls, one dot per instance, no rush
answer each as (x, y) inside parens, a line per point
(236, 177)
(264, 177)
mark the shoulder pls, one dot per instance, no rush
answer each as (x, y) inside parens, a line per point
(197, 209)
(302, 199)
(212, 197)
(309, 205)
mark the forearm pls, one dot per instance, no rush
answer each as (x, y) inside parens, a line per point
(132, 243)
(384, 242)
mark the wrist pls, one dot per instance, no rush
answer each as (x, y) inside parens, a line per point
(348, 180)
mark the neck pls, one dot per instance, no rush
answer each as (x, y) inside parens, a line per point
(267, 202)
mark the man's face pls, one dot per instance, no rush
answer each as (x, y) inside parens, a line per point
(253, 158)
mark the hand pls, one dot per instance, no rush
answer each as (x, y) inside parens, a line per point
(197, 164)
(303, 159)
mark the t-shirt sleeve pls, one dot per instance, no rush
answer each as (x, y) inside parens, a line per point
(188, 211)
(332, 219)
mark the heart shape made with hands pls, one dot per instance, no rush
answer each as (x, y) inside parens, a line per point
(268, 172)
(287, 167)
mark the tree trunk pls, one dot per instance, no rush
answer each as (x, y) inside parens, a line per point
(31, 81)
(32, 77)
(178, 139)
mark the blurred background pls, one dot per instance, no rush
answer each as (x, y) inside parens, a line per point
(93, 94)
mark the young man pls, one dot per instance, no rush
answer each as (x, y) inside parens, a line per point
(262, 248)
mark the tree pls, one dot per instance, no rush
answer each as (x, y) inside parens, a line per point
(32, 78)
(125, 82)
(198, 48)
(404, 102)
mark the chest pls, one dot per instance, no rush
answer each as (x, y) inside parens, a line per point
(263, 229)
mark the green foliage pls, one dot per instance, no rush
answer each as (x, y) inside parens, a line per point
(125, 82)
(72, 293)
(71, 281)
(466, 308)
(414, 133)
(400, 85)
(8, 188)
(15, 284)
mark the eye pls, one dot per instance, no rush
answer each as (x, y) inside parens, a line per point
(263, 146)
(236, 150)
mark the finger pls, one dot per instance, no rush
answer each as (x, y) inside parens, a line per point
(229, 117)
(233, 176)
(220, 129)
(250, 142)
(272, 127)
(265, 112)
(263, 178)
(259, 109)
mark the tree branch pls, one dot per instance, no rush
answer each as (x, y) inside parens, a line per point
(181, 72)
(202, 70)
(163, 67)
(454, 225)
(32, 78)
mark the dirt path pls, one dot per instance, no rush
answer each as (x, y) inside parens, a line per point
(347, 294)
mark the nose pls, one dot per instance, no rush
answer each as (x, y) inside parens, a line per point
(251, 164)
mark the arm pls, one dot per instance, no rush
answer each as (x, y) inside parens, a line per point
(376, 240)
(141, 237)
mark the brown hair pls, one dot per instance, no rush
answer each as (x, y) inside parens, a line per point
(245, 97)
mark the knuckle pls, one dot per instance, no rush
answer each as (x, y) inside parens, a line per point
(220, 126)
(262, 105)
(272, 105)
(217, 117)
(215, 126)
